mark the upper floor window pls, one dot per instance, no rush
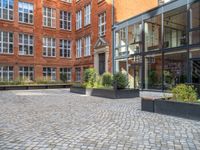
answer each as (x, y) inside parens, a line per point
(67, 1)
(49, 73)
(6, 42)
(49, 47)
(26, 12)
(25, 44)
(102, 24)
(6, 9)
(26, 73)
(65, 48)
(160, 2)
(6, 73)
(78, 48)
(49, 17)
(78, 19)
(87, 46)
(195, 15)
(87, 19)
(65, 20)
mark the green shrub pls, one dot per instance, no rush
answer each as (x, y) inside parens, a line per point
(107, 79)
(185, 93)
(89, 77)
(120, 80)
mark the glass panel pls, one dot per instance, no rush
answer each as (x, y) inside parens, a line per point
(153, 33)
(121, 66)
(153, 71)
(175, 24)
(135, 38)
(175, 68)
(195, 15)
(195, 37)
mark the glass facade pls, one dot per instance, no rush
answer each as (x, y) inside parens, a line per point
(160, 49)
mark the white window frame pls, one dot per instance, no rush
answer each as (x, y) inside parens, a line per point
(78, 19)
(65, 48)
(79, 48)
(102, 25)
(8, 42)
(29, 44)
(87, 19)
(52, 17)
(23, 74)
(52, 73)
(67, 72)
(9, 10)
(87, 46)
(30, 12)
(49, 46)
(78, 74)
(65, 22)
(9, 71)
(67, 1)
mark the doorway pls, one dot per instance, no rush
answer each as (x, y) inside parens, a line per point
(102, 63)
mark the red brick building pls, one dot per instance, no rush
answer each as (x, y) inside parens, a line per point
(46, 39)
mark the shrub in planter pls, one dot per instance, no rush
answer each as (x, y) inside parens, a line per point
(107, 79)
(120, 80)
(89, 77)
(185, 93)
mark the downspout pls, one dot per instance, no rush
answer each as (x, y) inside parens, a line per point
(113, 36)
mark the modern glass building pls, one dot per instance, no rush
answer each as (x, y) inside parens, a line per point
(160, 48)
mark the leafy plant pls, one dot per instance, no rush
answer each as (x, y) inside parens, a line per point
(107, 79)
(185, 93)
(89, 77)
(120, 80)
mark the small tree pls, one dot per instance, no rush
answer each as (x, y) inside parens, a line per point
(107, 79)
(120, 80)
(89, 77)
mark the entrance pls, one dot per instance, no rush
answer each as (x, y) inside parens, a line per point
(102, 63)
(195, 71)
(135, 74)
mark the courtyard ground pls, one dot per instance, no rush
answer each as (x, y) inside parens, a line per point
(57, 119)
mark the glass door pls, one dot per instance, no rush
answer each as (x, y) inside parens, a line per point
(134, 76)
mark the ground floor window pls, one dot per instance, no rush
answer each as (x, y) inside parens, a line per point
(175, 68)
(78, 74)
(6, 73)
(49, 73)
(26, 73)
(153, 71)
(65, 74)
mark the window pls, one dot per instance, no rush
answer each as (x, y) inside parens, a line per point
(26, 44)
(78, 48)
(78, 74)
(78, 20)
(6, 42)
(49, 47)
(102, 24)
(87, 19)
(121, 41)
(25, 12)
(175, 25)
(49, 17)
(67, 1)
(153, 33)
(6, 73)
(195, 15)
(87, 46)
(49, 73)
(6, 9)
(65, 20)
(65, 74)
(65, 48)
(26, 73)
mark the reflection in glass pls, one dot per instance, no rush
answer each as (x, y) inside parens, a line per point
(195, 15)
(134, 38)
(120, 42)
(194, 37)
(175, 28)
(175, 69)
(153, 71)
(153, 33)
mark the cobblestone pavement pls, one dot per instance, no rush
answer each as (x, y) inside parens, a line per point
(57, 119)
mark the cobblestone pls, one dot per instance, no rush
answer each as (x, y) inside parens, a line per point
(57, 119)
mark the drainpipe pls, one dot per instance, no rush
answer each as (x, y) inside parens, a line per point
(113, 35)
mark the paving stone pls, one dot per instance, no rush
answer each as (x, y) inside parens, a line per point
(57, 119)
